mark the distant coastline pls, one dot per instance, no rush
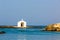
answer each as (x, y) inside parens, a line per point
(40, 27)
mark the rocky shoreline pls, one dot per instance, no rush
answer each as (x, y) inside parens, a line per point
(51, 27)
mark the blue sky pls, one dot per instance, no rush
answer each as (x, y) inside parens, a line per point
(35, 12)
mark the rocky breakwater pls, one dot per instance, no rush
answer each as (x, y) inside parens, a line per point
(53, 27)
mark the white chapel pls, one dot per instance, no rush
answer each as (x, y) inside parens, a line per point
(21, 23)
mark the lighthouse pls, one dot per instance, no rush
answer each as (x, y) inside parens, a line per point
(21, 24)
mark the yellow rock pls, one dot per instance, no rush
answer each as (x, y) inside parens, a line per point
(53, 27)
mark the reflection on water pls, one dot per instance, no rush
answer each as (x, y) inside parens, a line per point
(22, 37)
(28, 34)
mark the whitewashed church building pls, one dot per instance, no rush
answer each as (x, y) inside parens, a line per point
(21, 23)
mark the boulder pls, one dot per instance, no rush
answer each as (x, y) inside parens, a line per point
(52, 28)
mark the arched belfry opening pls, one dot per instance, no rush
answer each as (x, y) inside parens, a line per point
(22, 23)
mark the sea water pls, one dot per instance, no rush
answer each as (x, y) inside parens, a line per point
(28, 34)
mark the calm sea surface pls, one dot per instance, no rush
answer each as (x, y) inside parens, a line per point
(28, 34)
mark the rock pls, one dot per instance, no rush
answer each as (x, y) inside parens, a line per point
(2, 32)
(52, 27)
